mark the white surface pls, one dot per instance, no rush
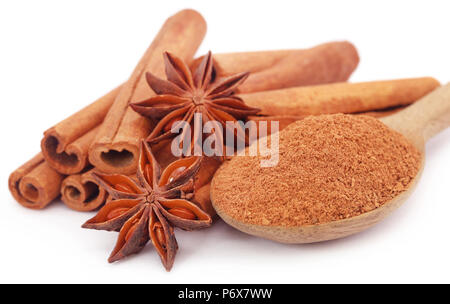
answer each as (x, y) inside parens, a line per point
(57, 56)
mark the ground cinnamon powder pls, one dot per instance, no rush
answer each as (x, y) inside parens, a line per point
(330, 167)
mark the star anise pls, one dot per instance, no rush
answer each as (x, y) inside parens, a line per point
(150, 208)
(185, 94)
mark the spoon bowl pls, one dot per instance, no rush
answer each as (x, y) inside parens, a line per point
(418, 123)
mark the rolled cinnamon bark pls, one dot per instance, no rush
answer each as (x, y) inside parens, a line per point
(270, 70)
(65, 146)
(285, 120)
(340, 97)
(227, 64)
(384, 112)
(116, 145)
(326, 63)
(35, 184)
(81, 192)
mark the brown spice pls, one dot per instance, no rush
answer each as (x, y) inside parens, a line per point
(341, 97)
(330, 167)
(148, 209)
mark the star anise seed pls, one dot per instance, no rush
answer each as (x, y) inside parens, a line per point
(185, 94)
(150, 208)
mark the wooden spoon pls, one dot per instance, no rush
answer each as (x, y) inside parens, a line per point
(418, 123)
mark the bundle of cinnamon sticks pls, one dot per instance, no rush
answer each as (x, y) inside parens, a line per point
(286, 85)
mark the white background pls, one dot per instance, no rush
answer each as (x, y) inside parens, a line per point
(58, 56)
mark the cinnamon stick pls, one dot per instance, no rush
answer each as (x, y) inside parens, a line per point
(116, 145)
(384, 112)
(35, 184)
(285, 120)
(227, 64)
(340, 97)
(65, 146)
(270, 70)
(81, 192)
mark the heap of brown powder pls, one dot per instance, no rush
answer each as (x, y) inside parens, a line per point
(330, 167)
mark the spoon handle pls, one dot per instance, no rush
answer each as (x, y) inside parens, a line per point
(428, 116)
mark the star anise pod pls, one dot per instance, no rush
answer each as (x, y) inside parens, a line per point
(150, 208)
(185, 94)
